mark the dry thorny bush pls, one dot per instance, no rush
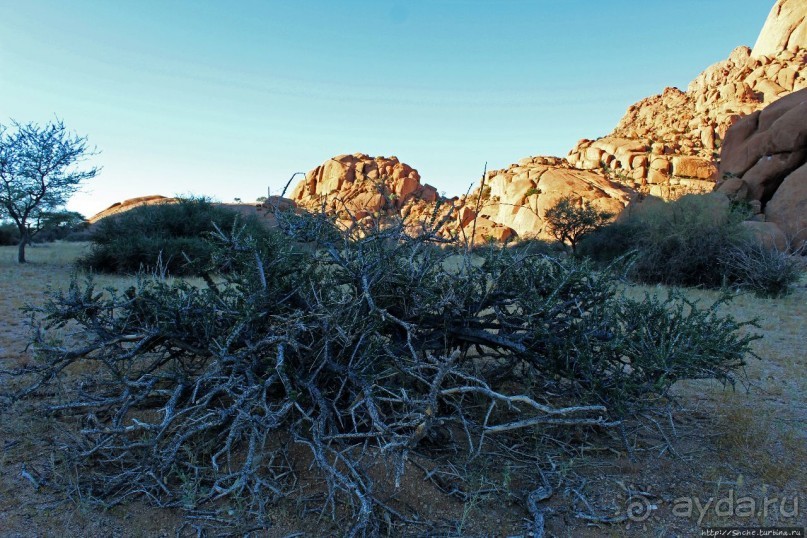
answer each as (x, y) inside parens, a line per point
(361, 348)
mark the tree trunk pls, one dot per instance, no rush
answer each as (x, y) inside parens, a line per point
(23, 242)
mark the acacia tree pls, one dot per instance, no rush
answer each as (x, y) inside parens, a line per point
(568, 221)
(39, 171)
(58, 224)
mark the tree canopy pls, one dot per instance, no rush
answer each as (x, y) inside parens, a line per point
(40, 168)
(569, 222)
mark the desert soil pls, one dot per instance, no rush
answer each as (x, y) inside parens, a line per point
(728, 444)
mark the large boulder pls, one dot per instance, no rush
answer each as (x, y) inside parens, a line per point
(785, 28)
(768, 234)
(764, 160)
(518, 196)
(788, 206)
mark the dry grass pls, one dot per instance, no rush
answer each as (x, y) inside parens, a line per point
(50, 266)
(751, 440)
(25, 431)
(761, 428)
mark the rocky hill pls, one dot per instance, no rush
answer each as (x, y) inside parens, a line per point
(666, 145)
(131, 203)
(361, 188)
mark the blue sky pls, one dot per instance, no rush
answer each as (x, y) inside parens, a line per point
(226, 99)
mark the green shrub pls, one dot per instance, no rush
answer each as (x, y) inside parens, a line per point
(75, 236)
(534, 245)
(675, 243)
(9, 234)
(612, 241)
(682, 242)
(569, 221)
(697, 240)
(173, 236)
(765, 271)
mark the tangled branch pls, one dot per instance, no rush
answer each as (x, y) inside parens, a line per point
(357, 348)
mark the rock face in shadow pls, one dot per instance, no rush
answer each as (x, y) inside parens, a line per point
(764, 163)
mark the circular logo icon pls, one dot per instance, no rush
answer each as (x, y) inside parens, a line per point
(640, 509)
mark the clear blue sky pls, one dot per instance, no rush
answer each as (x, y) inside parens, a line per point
(227, 98)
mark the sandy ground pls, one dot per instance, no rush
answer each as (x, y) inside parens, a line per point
(748, 444)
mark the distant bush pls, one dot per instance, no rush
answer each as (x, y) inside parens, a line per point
(696, 240)
(9, 234)
(58, 225)
(173, 236)
(767, 272)
(534, 245)
(78, 236)
(48, 227)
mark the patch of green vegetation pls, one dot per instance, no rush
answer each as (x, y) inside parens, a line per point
(697, 240)
(171, 237)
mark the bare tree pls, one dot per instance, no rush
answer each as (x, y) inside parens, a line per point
(38, 173)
